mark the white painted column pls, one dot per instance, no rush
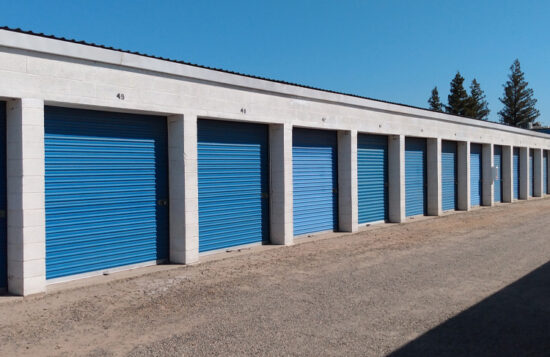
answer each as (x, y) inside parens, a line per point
(281, 191)
(537, 168)
(26, 197)
(183, 184)
(347, 181)
(507, 174)
(487, 180)
(434, 176)
(396, 181)
(524, 173)
(547, 169)
(463, 166)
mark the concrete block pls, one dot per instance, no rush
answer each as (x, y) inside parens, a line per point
(537, 168)
(463, 166)
(30, 219)
(396, 174)
(280, 161)
(507, 174)
(25, 190)
(28, 269)
(33, 184)
(32, 133)
(33, 167)
(434, 176)
(347, 181)
(27, 286)
(488, 184)
(24, 251)
(33, 200)
(524, 173)
(183, 186)
(13, 62)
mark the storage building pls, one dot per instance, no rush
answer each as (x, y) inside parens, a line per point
(112, 160)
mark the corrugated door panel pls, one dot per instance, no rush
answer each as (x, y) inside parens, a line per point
(497, 162)
(475, 175)
(315, 180)
(516, 173)
(106, 190)
(3, 199)
(448, 175)
(415, 176)
(372, 177)
(531, 172)
(233, 184)
(545, 172)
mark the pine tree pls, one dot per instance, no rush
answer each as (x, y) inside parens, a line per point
(519, 105)
(458, 98)
(435, 102)
(477, 106)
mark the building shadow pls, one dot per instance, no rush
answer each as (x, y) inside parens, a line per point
(515, 321)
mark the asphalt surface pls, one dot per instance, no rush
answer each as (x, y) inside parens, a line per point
(466, 284)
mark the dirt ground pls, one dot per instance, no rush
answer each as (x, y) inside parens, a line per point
(475, 283)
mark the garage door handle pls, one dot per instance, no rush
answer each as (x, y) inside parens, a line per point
(162, 203)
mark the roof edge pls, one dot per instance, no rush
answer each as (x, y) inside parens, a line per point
(42, 43)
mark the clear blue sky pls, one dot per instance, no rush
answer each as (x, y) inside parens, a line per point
(390, 50)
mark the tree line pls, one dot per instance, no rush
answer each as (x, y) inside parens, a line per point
(518, 101)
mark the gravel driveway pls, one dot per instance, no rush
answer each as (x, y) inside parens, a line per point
(475, 283)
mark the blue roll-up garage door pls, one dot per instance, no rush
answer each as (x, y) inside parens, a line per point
(372, 177)
(415, 176)
(106, 190)
(545, 172)
(315, 180)
(233, 184)
(448, 175)
(516, 173)
(497, 163)
(531, 172)
(475, 175)
(3, 200)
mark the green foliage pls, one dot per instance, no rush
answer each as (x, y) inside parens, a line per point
(476, 105)
(435, 102)
(458, 98)
(519, 105)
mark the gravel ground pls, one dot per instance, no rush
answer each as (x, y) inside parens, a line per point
(475, 283)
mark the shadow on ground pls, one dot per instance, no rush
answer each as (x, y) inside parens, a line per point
(515, 321)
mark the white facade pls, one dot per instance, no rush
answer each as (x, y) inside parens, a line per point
(37, 71)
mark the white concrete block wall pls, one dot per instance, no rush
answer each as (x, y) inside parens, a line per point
(347, 181)
(26, 201)
(463, 166)
(524, 173)
(488, 182)
(396, 180)
(537, 167)
(281, 194)
(434, 176)
(507, 174)
(183, 188)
